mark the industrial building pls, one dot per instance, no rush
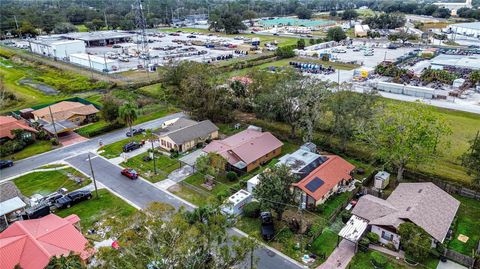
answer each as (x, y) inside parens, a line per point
(100, 38)
(467, 29)
(459, 61)
(97, 63)
(422, 92)
(56, 48)
(361, 30)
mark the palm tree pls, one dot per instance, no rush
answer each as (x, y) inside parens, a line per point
(128, 114)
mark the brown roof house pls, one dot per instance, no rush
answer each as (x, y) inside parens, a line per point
(9, 123)
(247, 150)
(66, 115)
(184, 134)
(423, 204)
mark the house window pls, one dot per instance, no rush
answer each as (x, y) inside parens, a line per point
(387, 236)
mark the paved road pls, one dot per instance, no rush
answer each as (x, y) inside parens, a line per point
(140, 193)
(29, 164)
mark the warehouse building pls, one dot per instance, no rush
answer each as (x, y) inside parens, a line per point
(97, 63)
(101, 38)
(459, 61)
(422, 92)
(56, 48)
(467, 29)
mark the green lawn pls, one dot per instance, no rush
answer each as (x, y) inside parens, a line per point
(106, 206)
(333, 203)
(325, 243)
(362, 260)
(115, 149)
(86, 130)
(468, 220)
(189, 195)
(198, 179)
(165, 165)
(47, 182)
(40, 146)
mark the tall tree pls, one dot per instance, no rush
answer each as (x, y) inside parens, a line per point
(350, 111)
(416, 242)
(404, 135)
(274, 189)
(471, 159)
(160, 237)
(71, 261)
(336, 34)
(303, 13)
(110, 108)
(128, 114)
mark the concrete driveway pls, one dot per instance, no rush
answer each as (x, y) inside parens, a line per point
(71, 138)
(340, 257)
(450, 265)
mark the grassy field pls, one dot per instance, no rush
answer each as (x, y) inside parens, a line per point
(325, 243)
(96, 210)
(38, 147)
(189, 195)
(46, 182)
(165, 165)
(468, 217)
(87, 129)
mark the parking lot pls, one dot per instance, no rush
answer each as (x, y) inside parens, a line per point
(169, 48)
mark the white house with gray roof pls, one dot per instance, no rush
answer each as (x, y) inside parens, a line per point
(185, 134)
(423, 204)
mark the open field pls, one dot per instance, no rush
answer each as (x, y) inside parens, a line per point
(46, 182)
(468, 216)
(97, 210)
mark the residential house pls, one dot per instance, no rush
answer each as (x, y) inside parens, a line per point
(324, 180)
(246, 150)
(9, 123)
(32, 243)
(66, 115)
(423, 204)
(12, 202)
(185, 134)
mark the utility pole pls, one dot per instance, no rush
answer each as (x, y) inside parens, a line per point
(16, 22)
(385, 57)
(93, 175)
(53, 122)
(153, 157)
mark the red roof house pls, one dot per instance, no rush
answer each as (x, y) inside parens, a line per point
(31, 243)
(9, 123)
(325, 180)
(247, 150)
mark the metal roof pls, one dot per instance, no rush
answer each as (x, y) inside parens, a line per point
(98, 35)
(470, 25)
(354, 228)
(462, 61)
(11, 205)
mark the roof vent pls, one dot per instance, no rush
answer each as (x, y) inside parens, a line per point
(420, 190)
(408, 208)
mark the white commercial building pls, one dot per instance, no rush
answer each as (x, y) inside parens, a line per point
(102, 64)
(422, 92)
(361, 30)
(466, 29)
(460, 61)
(56, 48)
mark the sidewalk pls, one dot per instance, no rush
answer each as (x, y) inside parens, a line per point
(340, 257)
(175, 177)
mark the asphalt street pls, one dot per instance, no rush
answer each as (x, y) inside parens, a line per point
(141, 193)
(29, 164)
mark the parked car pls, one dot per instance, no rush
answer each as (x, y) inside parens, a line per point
(130, 173)
(73, 198)
(135, 132)
(131, 146)
(268, 230)
(6, 163)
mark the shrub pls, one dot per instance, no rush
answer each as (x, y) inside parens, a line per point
(235, 187)
(232, 176)
(363, 244)
(316, 229)
(222, 195)
(378, 260)
(373, 237)
(243, 183)
(345, 216)
(320, 208)
(54, 141)
(252, 210)
(391, 246)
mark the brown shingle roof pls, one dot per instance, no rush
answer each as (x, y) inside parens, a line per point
(64, 110)
(424, 204)
(9, 123)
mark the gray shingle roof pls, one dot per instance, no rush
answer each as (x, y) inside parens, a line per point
(199, 130)
(8, 190)
(424, 204)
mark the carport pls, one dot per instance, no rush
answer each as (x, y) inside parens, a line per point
(353, 230)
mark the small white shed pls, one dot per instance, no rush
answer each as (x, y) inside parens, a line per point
(252, 183)
(382, 179)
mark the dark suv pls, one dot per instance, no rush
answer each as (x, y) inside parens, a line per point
(6, 163)
(268, 231)
(135, 132)
(131, 146)
(73, 198)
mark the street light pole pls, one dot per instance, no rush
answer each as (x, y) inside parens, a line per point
(93, 175)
